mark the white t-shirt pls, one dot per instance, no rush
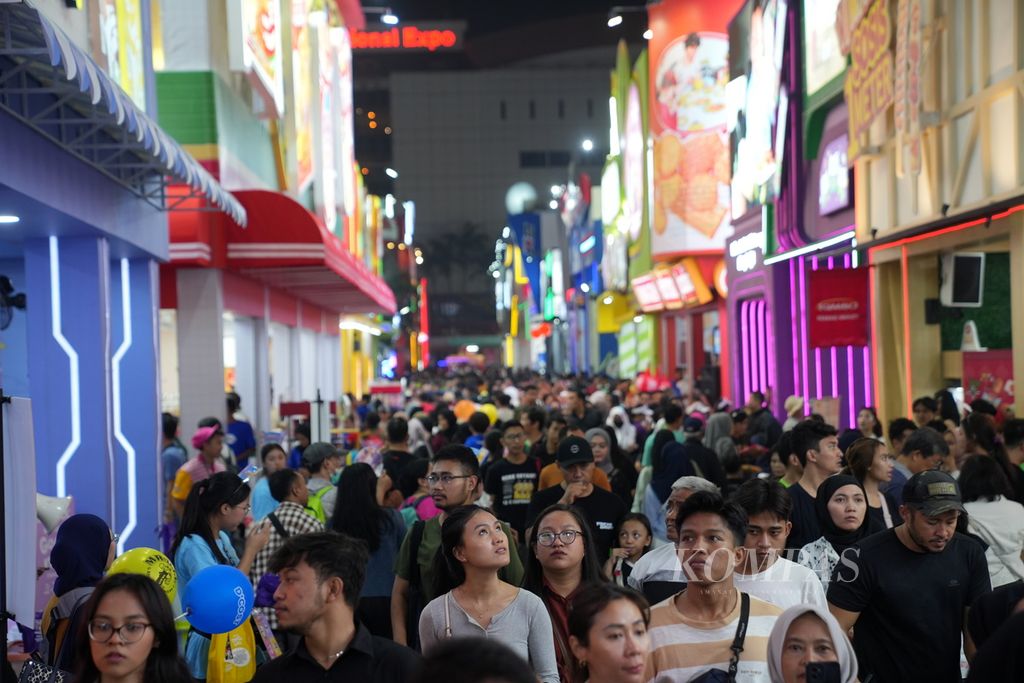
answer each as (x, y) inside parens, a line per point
(784, 584)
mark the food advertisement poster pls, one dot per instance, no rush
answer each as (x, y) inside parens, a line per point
(346, 162)
(989, 375)
(823, 58)
(689, 70)
(261, 28)
(326, 180)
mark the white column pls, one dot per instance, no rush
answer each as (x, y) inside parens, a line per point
(200, 346)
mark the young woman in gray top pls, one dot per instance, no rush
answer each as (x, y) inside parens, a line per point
(475, 602)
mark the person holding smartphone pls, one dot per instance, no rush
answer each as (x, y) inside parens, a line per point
(807, 640)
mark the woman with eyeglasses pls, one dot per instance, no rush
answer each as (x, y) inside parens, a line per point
(562, 558)
(214, 507)
(474, 601)
(869, 462)
(129, 635)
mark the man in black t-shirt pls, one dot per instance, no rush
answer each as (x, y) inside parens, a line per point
(906, 591)
(396, 458)
(816, 446)
(512, 481)
(602, 509)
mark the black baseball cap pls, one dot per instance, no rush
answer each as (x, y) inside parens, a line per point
(932, 492)
(693, 425)
(574, 451)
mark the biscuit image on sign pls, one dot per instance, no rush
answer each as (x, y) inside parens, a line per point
(660, 219)
(701, 193)
(705, 221)
(668, 151)
(667, 190)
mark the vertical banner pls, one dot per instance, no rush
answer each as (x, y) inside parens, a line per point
(19, 507)
(326, 180)
(303, 84)
(689, 70)
(838, 307)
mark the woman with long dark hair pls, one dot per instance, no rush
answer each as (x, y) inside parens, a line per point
(129, 635)
(474, 601)
(868, 424)
(359, 514)
(870, 463)
(994, 517)
(610, 459)
(982, 439)
(444, 434)
(561, 558)
(214, 507)
(608, 633)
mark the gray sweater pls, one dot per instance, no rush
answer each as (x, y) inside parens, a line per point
(523, 626)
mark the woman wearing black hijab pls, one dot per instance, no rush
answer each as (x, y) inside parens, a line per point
(1001, 658)
(81, 554)
(842, 509)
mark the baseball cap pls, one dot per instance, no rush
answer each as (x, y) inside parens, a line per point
(573, 451)
(316, 453)
(693, 425)
(932, 492)
(204, 434)
(739, 415)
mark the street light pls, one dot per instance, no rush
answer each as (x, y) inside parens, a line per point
(391, 173)
(614, 19)
(587, 145)
(472, 348)
(386, 15)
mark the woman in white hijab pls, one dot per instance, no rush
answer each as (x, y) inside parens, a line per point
(804, 634)
(719, 427)
(625, 431)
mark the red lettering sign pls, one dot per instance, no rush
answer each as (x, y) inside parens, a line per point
(838, 307)
(407, 38)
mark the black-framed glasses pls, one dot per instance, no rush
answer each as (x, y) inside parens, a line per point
(446, 478)
(567, 537)
(103, 631)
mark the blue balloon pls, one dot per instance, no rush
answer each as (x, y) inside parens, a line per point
(218, 599)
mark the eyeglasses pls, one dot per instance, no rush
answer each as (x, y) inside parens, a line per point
(518, 436)
(567, 537)
(103, 631)
(446, 478)
(248, 508)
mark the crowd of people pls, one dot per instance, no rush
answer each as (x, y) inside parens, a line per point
(580, 530)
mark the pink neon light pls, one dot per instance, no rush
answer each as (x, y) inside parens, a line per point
(850, 389)
(771, 349)
(803, 334)
(817, 352)
(835, 373)
(792, 325)
(867, 375)
(763, 344)
(745, 343)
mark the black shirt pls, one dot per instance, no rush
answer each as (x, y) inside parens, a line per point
(804, 518)
(367, 659)
(602, 510)
(911, 605)
(539, 450)
(512, 487)
(394, 462)
(706, 459)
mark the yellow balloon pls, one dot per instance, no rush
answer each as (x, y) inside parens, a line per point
(151, 563)
(491, 411)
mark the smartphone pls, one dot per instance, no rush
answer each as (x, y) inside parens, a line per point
(823, 672)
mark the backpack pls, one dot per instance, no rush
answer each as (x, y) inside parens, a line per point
(315, 504)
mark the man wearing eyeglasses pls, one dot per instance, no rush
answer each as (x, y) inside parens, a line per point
(453, 481)
(602, 509)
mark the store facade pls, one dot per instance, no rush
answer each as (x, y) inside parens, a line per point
(938, 197)
(84, 187)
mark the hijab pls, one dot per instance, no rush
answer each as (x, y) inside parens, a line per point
(719, 426)
(839, 538)
(626, 433)
(674, 463)
(80, 553)
(777, 642)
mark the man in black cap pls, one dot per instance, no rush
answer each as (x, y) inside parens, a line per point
(602, 509)
(908, 589)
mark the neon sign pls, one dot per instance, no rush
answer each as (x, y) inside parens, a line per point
(420, 37)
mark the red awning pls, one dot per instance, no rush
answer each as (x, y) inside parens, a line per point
(289, 248)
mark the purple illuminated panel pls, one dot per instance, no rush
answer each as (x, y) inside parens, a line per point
(834, 177)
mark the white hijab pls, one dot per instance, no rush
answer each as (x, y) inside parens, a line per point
(777, 641)
(626, 434)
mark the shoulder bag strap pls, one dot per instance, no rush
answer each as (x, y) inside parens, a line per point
(277, 525)
(741, 634)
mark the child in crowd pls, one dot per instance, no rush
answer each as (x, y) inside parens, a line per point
(634, 540)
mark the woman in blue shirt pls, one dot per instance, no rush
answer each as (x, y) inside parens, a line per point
(273, 459)
(214, 507)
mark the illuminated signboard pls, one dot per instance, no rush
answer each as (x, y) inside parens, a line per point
(693, 291)
(431, 37)
(744, 251)
(646, 291)
(254, 47)
(834, 177)
(667, 290)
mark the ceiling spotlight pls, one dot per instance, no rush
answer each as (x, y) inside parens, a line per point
(472, 348)
(553, 204)
(587, 145)
(614, 20)
(9, 219)
(392, 173)
(404, 311)
(607, 301)
(584, 288)
(648, 34)
(638, 319)
(389, 18)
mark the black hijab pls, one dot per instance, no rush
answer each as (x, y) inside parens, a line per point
(839, 538)
(79, 554)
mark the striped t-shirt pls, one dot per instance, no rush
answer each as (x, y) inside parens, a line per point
(683, 648)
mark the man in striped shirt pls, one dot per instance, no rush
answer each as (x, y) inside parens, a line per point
(695, 631)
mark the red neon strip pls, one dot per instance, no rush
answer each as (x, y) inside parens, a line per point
(947, 230)
(874, 333)
(904, 272)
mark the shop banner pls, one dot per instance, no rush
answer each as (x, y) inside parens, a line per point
(865, 30)
(304, 89)
(838, 307)
(989, 375)
(689, 70)
(638, 168)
